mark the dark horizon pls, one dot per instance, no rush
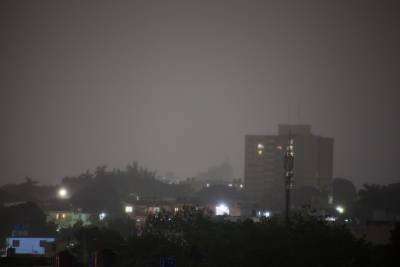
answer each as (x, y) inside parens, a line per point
(177, 85)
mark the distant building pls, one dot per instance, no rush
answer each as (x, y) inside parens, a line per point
(29, 245)
(313, 165)
(218, 174)
(68, 218)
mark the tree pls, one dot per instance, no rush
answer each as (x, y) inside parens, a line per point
(372, 198)
(343, 191)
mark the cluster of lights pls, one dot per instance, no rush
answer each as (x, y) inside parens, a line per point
(60, 216)
(265, 214)
(260, 149)
(290, 147)
(330, 219)
(221, 209)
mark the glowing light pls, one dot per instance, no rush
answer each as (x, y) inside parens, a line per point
(62, 193)
(340, 209)
(241, 185)
(221, 209)
(128, 209)
(260, 152)
(230, 185)
(260, 146)
(207, 185)
(330, 219)
(263, 213)
(102, 216)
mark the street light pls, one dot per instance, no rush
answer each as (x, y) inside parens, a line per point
(340, 209)
(128, 209)
(63, 193)
(102, 216)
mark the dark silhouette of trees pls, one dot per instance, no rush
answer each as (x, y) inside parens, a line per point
(344, 192)
(98, 197)
(194, 239)
(30, 190)
(383, 198)
(308, 196)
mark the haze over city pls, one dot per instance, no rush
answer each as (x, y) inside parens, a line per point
(176, 85)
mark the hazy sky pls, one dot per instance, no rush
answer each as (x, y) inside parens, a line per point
(176, 85)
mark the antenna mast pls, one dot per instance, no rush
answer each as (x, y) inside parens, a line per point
(288, 166)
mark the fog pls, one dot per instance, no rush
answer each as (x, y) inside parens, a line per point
(176, 85)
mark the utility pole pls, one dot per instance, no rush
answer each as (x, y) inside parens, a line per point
(288, 166)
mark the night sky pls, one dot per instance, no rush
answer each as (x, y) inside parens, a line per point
(176, 85)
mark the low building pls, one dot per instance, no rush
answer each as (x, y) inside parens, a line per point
(29, 245)
(66, 219)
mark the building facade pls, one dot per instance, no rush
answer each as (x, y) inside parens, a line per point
(313, 164)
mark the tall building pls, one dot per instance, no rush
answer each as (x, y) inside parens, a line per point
(313, 164)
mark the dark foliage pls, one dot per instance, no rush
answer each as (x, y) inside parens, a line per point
(378, 198)
(196, 240)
